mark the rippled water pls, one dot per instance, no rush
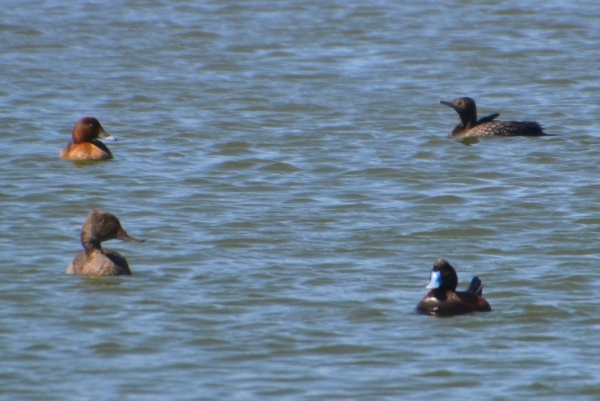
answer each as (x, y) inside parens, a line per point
(288, 166)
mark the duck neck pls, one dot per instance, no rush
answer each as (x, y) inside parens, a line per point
(440, 294)
(468, 120)
(90, 245)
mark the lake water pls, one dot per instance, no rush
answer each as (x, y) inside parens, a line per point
(287, 164)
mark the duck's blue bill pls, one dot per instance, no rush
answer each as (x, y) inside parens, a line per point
(436, 280)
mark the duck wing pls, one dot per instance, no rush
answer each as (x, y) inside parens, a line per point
(487, 119)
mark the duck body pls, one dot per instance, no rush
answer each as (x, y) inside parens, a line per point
(470, 126)
(104, 262)
(95, 260)
(94, 150)
(84, 144)
(444, 300)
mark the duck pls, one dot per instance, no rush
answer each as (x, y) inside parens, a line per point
(444, 300)
(470, 126)
(94, 260)
(85, 144)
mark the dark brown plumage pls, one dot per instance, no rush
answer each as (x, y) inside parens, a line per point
(444, 300)
(469, 126)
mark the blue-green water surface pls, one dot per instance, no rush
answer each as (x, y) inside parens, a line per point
(287, 164)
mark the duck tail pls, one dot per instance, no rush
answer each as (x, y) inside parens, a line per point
(476, 286)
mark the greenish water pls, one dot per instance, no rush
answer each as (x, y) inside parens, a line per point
(288, 166)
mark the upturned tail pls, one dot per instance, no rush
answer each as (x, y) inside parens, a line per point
(476, 286)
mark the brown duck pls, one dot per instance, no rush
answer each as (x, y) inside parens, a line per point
(84, 143)
(95, 260)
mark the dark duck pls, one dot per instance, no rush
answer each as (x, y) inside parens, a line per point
(95, 260)
(470, 126)
(444, 300)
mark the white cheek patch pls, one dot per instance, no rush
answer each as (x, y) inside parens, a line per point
(436, 280)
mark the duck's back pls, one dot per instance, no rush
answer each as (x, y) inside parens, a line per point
(505, 128)
(100, 263)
